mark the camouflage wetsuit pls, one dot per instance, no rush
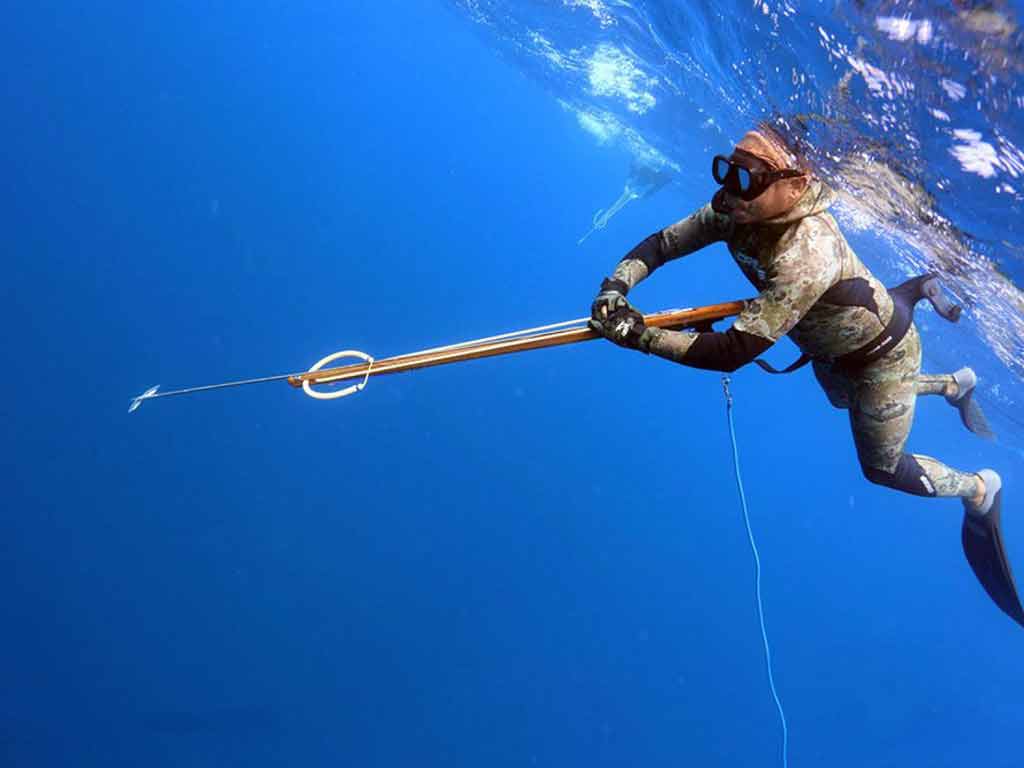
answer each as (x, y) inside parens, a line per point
(815, 289)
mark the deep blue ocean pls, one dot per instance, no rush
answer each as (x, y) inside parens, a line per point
(532, 560)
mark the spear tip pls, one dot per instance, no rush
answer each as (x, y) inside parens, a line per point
(137, 401)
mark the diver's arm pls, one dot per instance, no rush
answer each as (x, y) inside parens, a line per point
(697, 230)
(712, 350)
(801, 274)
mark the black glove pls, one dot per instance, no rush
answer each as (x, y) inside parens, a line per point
(612, 298)
(626, 328)
(614, 318)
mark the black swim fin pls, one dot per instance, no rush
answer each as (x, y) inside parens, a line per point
(974, 418)
(970, 412)
(983, 544)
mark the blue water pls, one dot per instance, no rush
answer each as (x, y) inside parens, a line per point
(532, 560)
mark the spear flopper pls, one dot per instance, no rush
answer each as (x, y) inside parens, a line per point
(557, 334)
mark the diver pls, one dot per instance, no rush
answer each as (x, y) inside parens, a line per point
(771, 212)
(643, 181)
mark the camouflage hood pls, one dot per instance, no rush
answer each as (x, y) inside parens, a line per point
(816, 199)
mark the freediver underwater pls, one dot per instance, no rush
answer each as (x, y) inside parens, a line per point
(643, 181)
(771, 211)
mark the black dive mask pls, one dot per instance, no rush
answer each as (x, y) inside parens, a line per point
(746, 175)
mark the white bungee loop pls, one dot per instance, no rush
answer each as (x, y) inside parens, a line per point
(308, 389)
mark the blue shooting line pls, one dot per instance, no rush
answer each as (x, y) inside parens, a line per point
(757, 570)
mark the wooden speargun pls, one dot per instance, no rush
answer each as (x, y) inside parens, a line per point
(555, 335)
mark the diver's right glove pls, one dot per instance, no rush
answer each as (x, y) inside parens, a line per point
(625, 326)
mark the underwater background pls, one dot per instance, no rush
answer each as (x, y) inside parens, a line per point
(529, 560)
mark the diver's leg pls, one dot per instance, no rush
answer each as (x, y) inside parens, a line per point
(837, 388)
(958, 389)
(881, 423)
(881, 415)
(937, 384)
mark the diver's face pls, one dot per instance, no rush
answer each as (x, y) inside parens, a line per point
(778, 198)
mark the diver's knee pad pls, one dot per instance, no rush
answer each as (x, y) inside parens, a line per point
(909, 477)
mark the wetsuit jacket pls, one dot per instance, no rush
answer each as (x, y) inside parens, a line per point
(812, 285)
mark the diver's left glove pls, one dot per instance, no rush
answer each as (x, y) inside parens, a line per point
(625, 326)
(611, 299)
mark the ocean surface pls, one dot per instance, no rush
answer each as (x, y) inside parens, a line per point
(532, 560)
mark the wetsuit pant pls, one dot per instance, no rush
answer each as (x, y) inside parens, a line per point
(880, 399)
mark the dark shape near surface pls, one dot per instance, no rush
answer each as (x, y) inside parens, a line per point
(982, 538)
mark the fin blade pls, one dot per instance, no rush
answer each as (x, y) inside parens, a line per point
(982, 540)
(974, 418)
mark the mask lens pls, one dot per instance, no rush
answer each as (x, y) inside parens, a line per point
(720, 169)
(744, 179)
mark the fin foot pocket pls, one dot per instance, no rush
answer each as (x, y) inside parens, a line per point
(932, 290)
(970, 412)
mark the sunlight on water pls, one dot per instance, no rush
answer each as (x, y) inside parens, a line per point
(909, 109)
